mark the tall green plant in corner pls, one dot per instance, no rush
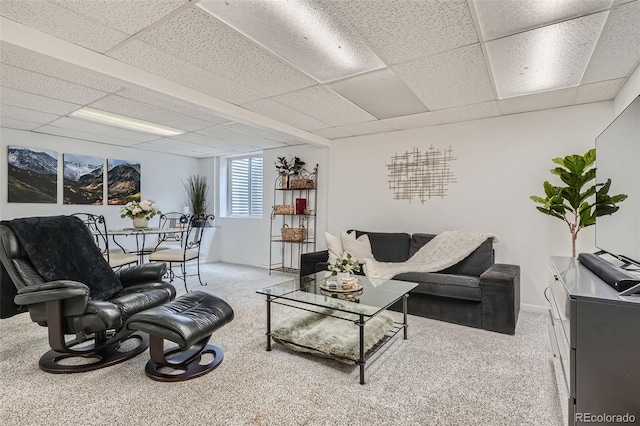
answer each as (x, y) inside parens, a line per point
(578, 208)
(197, 187)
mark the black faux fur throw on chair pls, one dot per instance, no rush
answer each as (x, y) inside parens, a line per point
(62, 248)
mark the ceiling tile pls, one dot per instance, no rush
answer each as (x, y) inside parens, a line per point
(399, 31)
(228, 134)
(309, 35)
(62, 23)
(538, 101)
(273, 135)
(149, 112)
(548, 58)
(183, 147)
(135, 16)
(332, 133)
(173, 105)
(35, 102)
(156, 61)
(200, 39)
(468, 112)
(367, 128)
(499, 18)
(18, 113)
(448, 79)
(101, 129)
(380, 93)
(11, 123)
(169, 150)
(424, 119)
(277, 111)
(324, 105)
(27, 81)
(618, 50)
(86, 136)
(222, 138)
(601, 91)
(198, 138)
(53, 69)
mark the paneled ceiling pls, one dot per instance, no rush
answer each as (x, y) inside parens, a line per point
(240, 75)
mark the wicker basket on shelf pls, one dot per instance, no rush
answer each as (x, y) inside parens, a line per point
(293, 234)
(283, 209)
(302, 184)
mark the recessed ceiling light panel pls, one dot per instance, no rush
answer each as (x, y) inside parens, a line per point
(502, 18)
(307, 34)
(123, 122)
(547, 58)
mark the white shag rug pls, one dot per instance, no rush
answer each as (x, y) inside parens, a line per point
(328, 336)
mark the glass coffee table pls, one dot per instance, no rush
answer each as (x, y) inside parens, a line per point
(309, 293)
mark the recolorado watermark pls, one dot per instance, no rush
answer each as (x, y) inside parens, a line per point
(604, 418)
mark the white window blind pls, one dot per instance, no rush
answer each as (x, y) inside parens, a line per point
(245, 186)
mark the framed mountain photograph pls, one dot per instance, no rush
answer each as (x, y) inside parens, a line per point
(123, 182)
(32, 175)
(83, 179)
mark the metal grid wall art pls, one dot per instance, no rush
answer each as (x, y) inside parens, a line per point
(421, 175)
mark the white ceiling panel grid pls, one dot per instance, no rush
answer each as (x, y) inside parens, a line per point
(438, 61)
(53, 69)
(62, 23)
(618, 50)
(448, 79)
(148, 112)
(548, 58)
(40, 84)
(400, 30)
(538, 101)
(497, 21)
(325, 105)
(200, 39)
(468, 112)
(154, 60)
(26, 100)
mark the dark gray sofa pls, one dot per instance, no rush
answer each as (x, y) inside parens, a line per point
(476, 292)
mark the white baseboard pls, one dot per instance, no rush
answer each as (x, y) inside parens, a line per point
(533, 308)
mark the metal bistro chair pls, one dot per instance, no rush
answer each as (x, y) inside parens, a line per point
(117, 258)
(169, 240)
(190, 249)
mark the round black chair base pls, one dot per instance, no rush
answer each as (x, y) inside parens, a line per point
(190, 370)
(110, 355)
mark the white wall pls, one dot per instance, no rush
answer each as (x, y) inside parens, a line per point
(161, 175)
(500, 162)
(246, 241)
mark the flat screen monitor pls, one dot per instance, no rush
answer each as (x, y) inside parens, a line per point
(618, 159)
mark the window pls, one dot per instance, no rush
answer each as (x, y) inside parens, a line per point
(245, 186)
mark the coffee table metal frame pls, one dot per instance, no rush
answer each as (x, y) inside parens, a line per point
(305, 294)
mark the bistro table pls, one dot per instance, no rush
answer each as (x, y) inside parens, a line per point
(140, 234)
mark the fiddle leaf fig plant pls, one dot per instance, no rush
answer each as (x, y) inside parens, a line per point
(574, 204)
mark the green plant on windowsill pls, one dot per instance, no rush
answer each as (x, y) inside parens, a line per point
(577, 208)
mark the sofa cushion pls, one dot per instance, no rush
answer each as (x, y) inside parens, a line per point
(444, 285)
(475, 264)
(388, 246)
(359, 248)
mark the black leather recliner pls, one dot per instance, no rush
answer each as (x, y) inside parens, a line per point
(66, 307)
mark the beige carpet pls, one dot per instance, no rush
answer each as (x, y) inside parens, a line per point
(443, 375)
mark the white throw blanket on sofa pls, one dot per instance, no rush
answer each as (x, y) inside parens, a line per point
(444, 250)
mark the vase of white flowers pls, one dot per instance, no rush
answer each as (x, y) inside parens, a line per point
(344, 267)
(140, 212)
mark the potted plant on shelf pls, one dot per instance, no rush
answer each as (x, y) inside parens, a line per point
(140, 212)
(577, 208)
(197, 187)
(288, 168)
